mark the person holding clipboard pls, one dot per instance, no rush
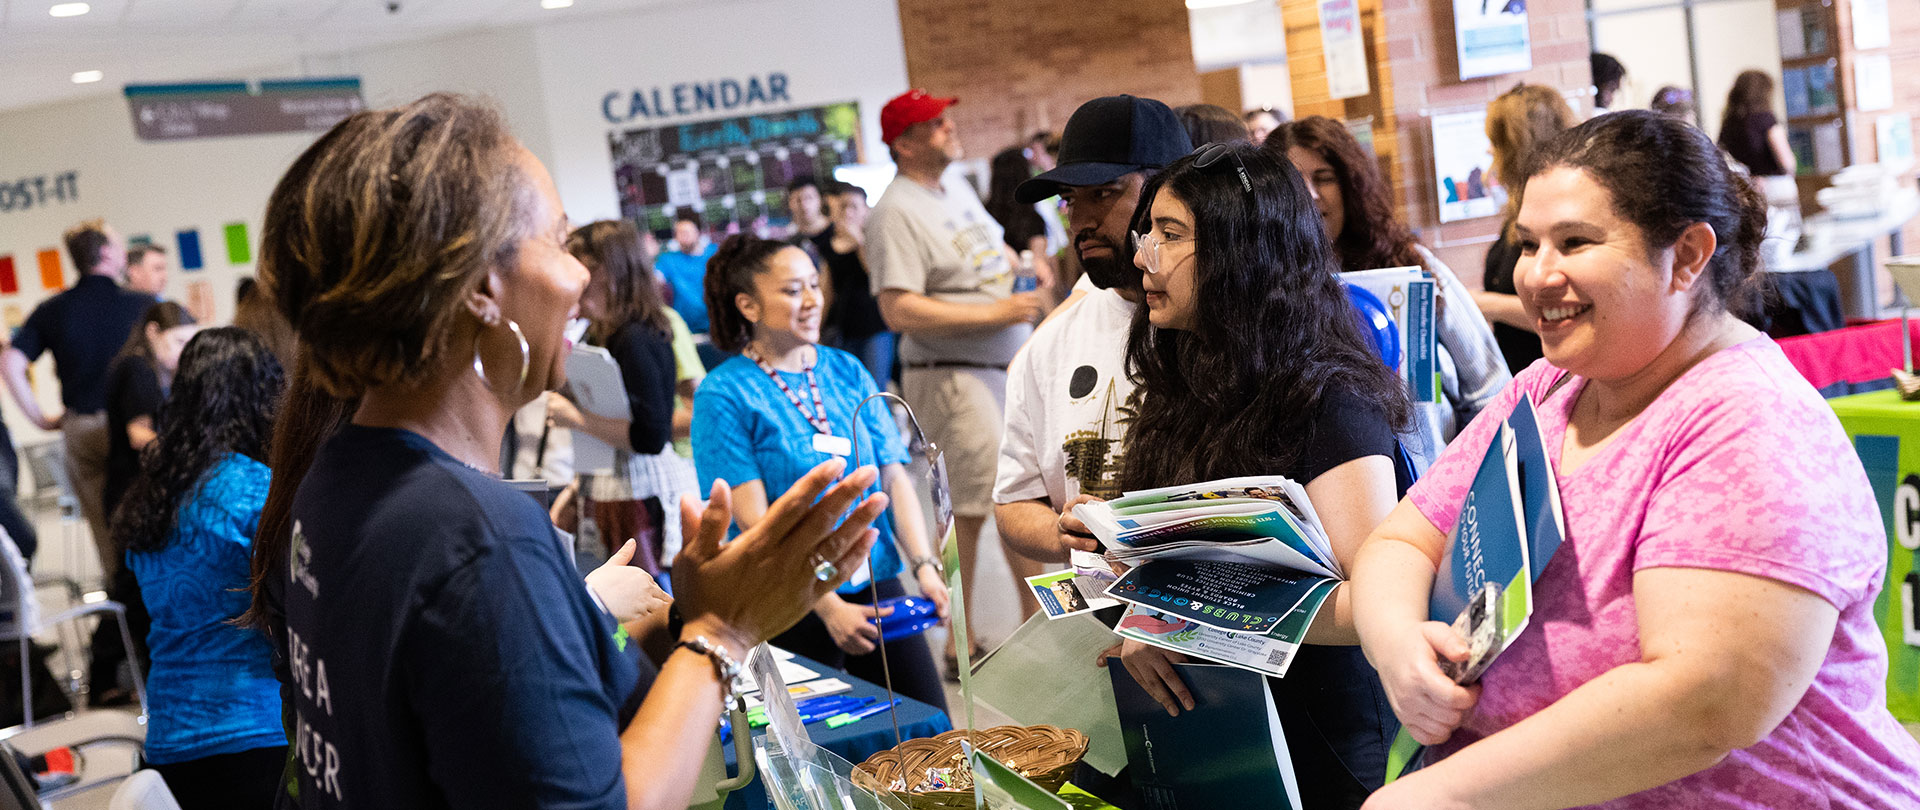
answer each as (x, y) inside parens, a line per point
(786, 403)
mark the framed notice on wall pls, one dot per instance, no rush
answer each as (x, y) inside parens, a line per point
(1463, 167)
(1345, 48)
(1491, 37)
(734, 171)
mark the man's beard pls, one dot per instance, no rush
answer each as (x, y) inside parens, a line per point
(1114, 271)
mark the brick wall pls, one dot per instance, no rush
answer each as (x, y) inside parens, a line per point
(1420, 55)
(1022, 65)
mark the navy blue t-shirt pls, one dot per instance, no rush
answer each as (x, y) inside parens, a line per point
(84, 327)
(444, 651)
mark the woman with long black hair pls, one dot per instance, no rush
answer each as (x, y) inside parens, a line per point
(187, 523)
(1249, 361)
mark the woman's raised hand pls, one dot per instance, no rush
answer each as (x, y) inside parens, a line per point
(757, 586)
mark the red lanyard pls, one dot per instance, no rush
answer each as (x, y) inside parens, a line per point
(819, 418)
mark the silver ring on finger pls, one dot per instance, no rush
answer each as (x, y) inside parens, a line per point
(824, 569)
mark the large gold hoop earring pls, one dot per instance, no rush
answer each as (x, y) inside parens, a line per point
(526, 357)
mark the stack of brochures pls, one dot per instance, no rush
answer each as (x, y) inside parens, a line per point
(1231, 571)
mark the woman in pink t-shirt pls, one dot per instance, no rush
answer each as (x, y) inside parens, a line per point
(1704, 638)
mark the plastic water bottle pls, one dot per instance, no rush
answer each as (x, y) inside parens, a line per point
(1024, 277)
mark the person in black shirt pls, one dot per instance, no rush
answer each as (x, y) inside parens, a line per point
(137, 384)
(853, 323)
(628, 319)
(1752, 135)
(83, 327)
(1249, 362)
(441, 650)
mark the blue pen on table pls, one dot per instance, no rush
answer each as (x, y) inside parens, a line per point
(849, 718)
(837, 703)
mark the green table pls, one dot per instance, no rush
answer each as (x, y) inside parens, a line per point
(1886, 433)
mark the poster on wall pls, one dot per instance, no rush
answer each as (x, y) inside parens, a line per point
(1870, 24)
(734, 171)
(1873, 82)
(1345, 48)
(1463, 167)
(1893, 140)
(1491, 37)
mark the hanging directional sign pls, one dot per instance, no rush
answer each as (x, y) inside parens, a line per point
(171, 112)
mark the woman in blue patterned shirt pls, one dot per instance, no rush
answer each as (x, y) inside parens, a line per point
(785, 403)
(188, 523)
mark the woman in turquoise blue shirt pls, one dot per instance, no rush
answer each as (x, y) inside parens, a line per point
(785, 403)
(188, 522)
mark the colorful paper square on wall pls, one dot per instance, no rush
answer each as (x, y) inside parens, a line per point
(189, 241)
(9, 281)
(13, 316)
(237, 249)
(50, 275)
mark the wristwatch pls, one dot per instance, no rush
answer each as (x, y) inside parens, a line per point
(938, 569)
(723, 664)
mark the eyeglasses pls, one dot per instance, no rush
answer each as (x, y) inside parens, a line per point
(1209, 156)
(1147, 247)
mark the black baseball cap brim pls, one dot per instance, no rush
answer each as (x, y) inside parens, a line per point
(1048, 184)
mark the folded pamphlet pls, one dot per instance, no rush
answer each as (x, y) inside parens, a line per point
(1232, 571)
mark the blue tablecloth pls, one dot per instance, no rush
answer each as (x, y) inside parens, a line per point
(853, 742)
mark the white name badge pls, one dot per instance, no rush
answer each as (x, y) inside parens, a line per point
(832, 445)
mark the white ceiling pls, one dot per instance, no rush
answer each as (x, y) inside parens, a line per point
(136, 41)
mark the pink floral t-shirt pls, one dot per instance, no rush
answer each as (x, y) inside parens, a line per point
(1738, 466)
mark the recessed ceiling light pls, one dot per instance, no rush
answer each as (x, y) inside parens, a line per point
(69, 9)
(88, 77)
(555, 3)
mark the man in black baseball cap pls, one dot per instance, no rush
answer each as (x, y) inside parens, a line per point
(1110, 147)
(1065, 387)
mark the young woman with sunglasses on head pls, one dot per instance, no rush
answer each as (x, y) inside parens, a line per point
(1249, 361)
(1357, 209)
(786, 403)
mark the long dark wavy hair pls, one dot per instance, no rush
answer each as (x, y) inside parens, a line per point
(1008, 169)
(222, 402)
(1372, 237)
(1274, 332)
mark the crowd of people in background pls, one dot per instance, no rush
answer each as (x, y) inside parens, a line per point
(304, 516)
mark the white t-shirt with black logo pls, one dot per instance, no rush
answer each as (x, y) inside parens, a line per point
(1065, 395)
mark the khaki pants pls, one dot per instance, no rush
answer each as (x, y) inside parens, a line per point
(963, 411)
(85, 438)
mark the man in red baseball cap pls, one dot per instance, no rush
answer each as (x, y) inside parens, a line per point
(944, 279)
(909, 108)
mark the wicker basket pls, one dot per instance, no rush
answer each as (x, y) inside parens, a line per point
(1044, 754)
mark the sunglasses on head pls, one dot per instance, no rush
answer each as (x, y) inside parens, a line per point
(1207, 157)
